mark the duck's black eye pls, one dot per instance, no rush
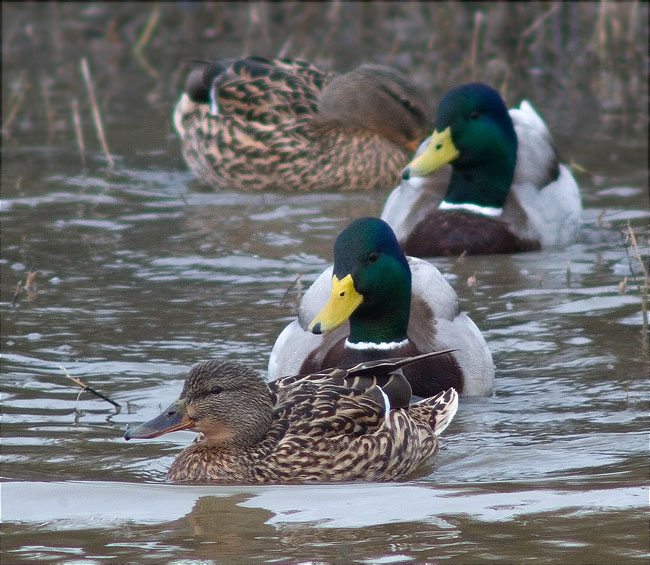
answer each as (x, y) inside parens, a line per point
(474, 116)
(373, 257)
(216, 389)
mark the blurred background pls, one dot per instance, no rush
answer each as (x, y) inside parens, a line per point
(582, 64)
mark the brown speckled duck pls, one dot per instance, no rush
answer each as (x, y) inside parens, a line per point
(257, 124)
(336, 425)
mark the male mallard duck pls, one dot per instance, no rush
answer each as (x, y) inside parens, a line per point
(278, 124)
(506, 191)
(333, 426)
(396, 307)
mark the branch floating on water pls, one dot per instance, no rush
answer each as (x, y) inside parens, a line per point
(84, 386)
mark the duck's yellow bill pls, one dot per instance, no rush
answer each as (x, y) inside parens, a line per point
(343, 300)
(439, 152)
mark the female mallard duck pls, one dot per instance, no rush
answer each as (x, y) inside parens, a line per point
(277, 124)
(396, 307)
(506, 191)
(333, 426)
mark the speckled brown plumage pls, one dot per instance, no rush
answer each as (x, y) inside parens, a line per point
(286, 125)
(332, 426)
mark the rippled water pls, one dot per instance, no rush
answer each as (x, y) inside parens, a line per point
(140, 274)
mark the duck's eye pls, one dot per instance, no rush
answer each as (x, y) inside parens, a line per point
(216, 389)
(474, 116)
(373, 257)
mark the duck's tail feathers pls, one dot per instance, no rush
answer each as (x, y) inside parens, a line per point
(443, 408)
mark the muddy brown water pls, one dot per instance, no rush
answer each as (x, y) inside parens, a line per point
(141, 273)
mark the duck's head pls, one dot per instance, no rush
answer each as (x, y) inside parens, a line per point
(228, 402)
(474, 133)
(371, 285)
(379, 99)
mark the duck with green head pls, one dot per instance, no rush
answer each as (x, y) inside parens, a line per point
(505, 191)
(376, 303)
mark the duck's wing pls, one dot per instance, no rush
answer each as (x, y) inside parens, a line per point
(544, 203)
(259, 89)
(537, 160)
(436, 323)
(320, 410)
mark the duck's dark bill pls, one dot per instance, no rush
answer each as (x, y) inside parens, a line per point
(172, 419)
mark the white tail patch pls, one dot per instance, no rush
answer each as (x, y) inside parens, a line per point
(446, 410)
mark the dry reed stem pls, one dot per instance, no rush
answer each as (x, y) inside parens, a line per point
(76, 120)
(478, 21)
(49, 110)
(96, 116)
(532, 27)
(145, 38)
(147, 34)
(18, 99)
(644, 285)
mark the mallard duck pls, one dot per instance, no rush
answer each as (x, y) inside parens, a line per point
(505, 191)
(337, 425)
(258, 124)
(383, 304)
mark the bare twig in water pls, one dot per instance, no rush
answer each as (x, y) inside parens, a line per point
(631, 241)
(76, 119)
(29, 287)
(297, 282)
(84, 386)
(19, 289)
(461, 257)
(30, 283)
(96, 116)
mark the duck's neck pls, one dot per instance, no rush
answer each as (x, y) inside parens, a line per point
(388, 326)
(485, 184)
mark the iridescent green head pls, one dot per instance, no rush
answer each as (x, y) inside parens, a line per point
(371, 285)
(474, 133)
